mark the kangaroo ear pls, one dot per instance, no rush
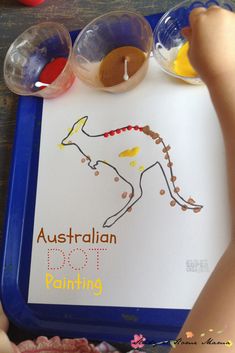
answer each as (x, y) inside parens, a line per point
(84, 120)
(75, 129)
(79, 124)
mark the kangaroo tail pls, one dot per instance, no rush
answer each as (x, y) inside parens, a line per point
(170, 181)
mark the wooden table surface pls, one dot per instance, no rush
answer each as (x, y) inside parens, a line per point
(14, 19)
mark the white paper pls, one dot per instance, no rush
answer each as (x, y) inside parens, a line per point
(163, 255)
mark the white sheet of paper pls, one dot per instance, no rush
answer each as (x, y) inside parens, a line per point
(163, 255)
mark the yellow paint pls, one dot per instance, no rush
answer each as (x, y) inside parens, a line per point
(77, 126)
(182, 65)
(141, 168)
(61, 147)
(130, 152)
(228, 343)
(133, 163)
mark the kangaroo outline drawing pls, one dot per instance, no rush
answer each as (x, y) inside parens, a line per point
(129, 170)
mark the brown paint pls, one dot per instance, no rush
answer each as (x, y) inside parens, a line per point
(112, 66)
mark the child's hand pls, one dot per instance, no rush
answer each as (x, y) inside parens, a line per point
(211, 37)
(4, 323)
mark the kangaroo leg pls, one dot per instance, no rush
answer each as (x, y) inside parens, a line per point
(174, 192)
(136, 193)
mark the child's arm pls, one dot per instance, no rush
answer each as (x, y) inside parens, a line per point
(212, 53)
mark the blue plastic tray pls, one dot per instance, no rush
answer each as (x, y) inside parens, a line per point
(96, 323)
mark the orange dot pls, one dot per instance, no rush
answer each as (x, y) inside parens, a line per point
(97, 173)
(177, 189)
(173, 203)
(162, 192)
(184, 208)
(173, 178)
(129, 209)
(169, 164)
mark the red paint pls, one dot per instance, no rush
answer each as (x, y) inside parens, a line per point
(120, 130)
(52, 70)
(31, 2)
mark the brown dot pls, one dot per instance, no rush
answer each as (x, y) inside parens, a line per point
(130, 195)
(196, 210)
(173, 178)
(83, 160)
(129, 209)
(191, 200)
(116, 179)
(154, 135)
(162, 192)
(97, 173)
(124, 194)
(173, 203)
(169, 164)
(184, 208)
(177, 189)
(146, 130)
(166, 156)
(159, 140)
(166, 149)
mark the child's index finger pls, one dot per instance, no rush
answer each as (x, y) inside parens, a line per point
(193, 16)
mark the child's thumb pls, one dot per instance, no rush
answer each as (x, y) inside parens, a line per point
(4, 323)
(5, 345)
